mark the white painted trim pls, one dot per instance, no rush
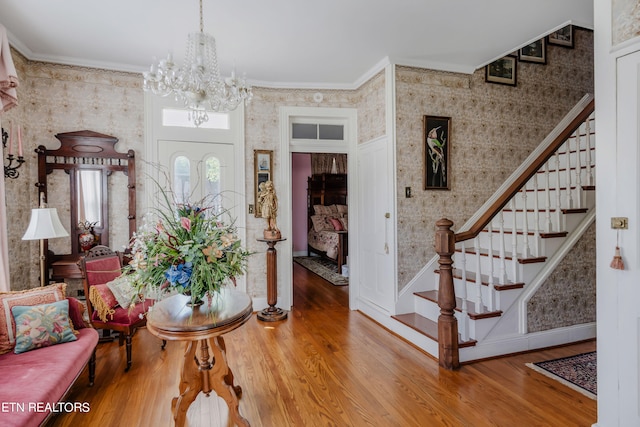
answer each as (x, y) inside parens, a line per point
(551, 264)
(384, 318)
(259, 303)
(390, 129)
(420, 282)
(519, 343)
(349, 146)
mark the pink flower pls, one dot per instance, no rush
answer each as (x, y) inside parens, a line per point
(186, 223)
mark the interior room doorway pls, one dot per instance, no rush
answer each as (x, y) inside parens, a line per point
(320, 215)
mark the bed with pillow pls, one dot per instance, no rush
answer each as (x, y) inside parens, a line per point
(327, 220)
(44, 347)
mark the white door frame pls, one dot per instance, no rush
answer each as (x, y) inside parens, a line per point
(287, 114)
(154, 131)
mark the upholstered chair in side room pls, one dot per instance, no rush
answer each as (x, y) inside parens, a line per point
(101, 268)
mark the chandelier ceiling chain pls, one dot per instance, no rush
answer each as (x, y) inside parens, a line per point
(198, 84)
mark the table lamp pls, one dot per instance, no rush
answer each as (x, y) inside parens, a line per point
(44, 224)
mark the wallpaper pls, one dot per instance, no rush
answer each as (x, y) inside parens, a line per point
(625, 20)
(572, 285)
(493, 129)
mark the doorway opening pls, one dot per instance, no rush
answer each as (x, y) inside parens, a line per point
(320, 219)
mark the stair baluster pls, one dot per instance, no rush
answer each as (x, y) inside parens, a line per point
(476, 243)
(514, 241)
(587, 130)
(547, 193)
(503, 259)
(578, 173)
(536, 216)
(567, 169)
(464, 325)
(560, 225)
(492, 288)
(526, 250)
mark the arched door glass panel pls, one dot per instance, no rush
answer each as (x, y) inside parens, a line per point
(182, 179)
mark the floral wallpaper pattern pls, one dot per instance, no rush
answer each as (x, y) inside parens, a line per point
(572, 285)
(625, 20)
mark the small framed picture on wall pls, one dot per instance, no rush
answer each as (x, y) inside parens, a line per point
(563, 37)
(263, 169)
(502, 71)
(534, 52)
(437, 173)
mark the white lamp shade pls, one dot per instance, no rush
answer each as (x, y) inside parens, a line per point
(45, 224)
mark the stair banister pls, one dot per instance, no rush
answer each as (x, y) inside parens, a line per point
(445, 238)
(447, 323)
(533, 167)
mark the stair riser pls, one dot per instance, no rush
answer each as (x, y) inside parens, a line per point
(542, 200)
(501, 299)
(476, 328)
(562, 179)
(427, 308)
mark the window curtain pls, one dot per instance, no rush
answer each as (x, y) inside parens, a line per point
(323, 163)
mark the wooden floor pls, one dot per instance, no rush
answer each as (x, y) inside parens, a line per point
(328, 366)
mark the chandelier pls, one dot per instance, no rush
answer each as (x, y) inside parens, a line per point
(197, 85)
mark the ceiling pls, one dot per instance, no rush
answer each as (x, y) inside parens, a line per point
(288, 43)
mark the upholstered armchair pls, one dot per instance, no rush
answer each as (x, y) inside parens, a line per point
(101, 267)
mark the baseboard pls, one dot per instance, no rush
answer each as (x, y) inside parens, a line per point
(404, 332)
(261, 303)
(532, 341)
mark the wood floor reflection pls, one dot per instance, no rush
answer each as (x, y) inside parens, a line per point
(329, 366)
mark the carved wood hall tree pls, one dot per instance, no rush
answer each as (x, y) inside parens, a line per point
(91, 152)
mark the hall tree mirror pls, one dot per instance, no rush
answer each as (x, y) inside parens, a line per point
(93, 187)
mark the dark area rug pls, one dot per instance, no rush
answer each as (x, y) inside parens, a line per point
(324, 268)
(578, 372)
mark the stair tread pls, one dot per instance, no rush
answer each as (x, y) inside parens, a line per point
(531, 232)
(427, 327)
(507, 255)
(471, 277)
(484, 314)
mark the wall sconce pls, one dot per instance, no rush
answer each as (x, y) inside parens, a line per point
(11, 170)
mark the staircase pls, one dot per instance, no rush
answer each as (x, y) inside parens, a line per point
(477, 307)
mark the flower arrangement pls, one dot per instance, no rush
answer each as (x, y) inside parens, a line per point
(186, 248)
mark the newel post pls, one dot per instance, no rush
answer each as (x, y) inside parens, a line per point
(447, 323)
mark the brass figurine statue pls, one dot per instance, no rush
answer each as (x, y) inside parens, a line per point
(268, 202)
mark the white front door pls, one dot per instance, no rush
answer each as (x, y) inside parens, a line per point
(375, 227)
(198, 172)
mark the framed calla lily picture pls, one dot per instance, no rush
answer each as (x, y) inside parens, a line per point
(437, 144)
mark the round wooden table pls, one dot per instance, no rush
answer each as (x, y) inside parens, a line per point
(202, 328)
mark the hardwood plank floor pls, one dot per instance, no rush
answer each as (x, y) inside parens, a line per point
(328, 366)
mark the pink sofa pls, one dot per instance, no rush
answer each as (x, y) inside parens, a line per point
(33, 384)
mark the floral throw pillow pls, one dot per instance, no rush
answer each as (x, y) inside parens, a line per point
(123, 291)
(43, 325)
(36, 296)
